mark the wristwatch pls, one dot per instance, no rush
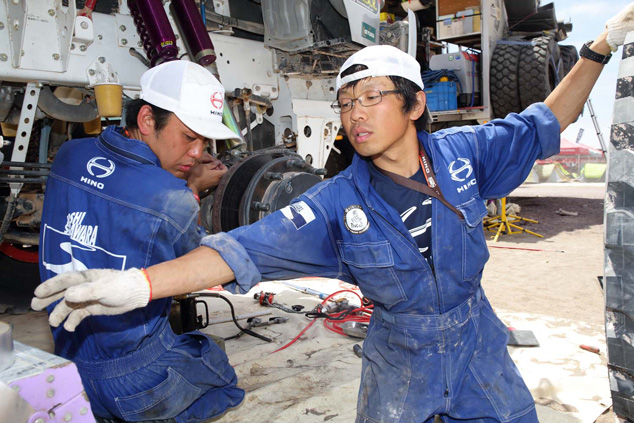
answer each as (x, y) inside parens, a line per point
(593, 55)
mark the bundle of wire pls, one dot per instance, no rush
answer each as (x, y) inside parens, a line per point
(334, 321)
(433, 76)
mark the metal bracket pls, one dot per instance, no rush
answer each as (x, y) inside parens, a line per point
(22, 138)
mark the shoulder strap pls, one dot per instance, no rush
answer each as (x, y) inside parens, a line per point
(417, 186)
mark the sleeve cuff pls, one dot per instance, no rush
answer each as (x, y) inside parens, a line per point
(547, 128)
(234, 254)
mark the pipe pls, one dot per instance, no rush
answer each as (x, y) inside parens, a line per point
(86, 111)
(45, 134)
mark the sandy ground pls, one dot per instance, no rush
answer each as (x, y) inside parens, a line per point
(545, 285)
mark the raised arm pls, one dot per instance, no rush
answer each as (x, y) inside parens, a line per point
(568, 98)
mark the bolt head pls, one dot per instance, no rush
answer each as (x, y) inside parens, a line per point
(3, 57)
(124, 41)
(84, 25)
(55, 56)
(40, 420)
(50, 378)
(50, 393)
(102, 59)
(122, 28)
(1, 25)
(82, 47)
(100, 37)
(91, 72)
(51, 12)
(68, 417)
(72, 46)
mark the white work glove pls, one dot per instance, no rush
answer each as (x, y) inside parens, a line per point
(92, 292)
(619, 25)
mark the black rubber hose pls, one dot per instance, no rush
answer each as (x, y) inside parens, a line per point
(86, 111)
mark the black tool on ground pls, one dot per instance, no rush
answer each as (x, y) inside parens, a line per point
(522, 338)
(189, 320)
(358, 351)
(184, 315)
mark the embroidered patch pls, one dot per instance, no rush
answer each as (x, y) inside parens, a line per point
(355, 219)
(299, 214)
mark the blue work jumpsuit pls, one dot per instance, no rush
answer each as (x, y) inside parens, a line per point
(434, 345)
(109, 204)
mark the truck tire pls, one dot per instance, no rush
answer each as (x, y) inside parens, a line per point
(505, 97)
(618, 282)
(569, 56)
(540, 70)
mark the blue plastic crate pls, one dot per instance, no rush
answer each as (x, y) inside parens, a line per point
(442, 96)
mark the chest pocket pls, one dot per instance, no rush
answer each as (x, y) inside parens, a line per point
(474, 249)
(372, 266)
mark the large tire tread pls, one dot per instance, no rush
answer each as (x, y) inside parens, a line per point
(504, 81)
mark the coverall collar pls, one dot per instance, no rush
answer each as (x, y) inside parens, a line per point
(130, 148)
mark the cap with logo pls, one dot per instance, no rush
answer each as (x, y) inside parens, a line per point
(192, 93)
(381, 61)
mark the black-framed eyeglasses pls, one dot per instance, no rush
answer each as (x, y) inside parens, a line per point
(366, 99)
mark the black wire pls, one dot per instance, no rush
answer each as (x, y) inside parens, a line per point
(233, 316)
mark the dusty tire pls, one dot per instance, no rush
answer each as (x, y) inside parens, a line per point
(540, 70)
(569, 56)
(504, 82)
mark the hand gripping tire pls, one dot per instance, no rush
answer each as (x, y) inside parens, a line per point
(540, 70)
(505, 97)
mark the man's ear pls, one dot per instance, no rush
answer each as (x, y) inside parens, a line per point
(145, 120)
(419, 107)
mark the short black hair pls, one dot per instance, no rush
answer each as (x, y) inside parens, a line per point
(132, 108)
(407, 88)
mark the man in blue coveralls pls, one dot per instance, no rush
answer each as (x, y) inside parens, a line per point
(434, 345)
(127, 199)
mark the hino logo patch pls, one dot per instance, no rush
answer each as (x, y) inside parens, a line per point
(460, 169)
(299, 214)
(100, 167)
(355, 219)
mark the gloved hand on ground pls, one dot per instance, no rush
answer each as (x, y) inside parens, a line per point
(92, 292)
(619, 25)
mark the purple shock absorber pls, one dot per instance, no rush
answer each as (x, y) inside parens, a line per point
(154, 29)
(194, 32)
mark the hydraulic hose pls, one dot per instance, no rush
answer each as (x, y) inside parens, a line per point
(86, 111)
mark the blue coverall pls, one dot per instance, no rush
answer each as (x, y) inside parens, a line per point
(109, 204)
(434, 345)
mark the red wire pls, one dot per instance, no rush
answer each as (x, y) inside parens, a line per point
(335, 323)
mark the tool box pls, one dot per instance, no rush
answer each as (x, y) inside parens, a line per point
(442, 96)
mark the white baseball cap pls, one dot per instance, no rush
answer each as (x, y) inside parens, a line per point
(382, 61)
(192, 93)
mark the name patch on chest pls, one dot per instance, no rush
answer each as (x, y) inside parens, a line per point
(355, 219)
(299, 214)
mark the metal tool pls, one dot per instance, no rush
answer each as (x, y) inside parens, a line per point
(355, 329)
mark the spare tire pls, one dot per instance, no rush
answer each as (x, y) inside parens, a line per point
(569, 56)
(505, 97)
(540, 70)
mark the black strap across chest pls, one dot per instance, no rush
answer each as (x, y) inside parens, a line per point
(432, 189)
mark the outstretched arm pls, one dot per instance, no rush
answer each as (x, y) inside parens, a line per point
(107, 292)
(568, 98)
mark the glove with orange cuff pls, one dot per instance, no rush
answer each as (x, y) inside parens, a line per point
(92, 292)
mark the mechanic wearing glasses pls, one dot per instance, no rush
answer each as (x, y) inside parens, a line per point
(434, 345)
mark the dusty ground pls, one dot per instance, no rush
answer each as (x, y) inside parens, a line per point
(560, 279)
